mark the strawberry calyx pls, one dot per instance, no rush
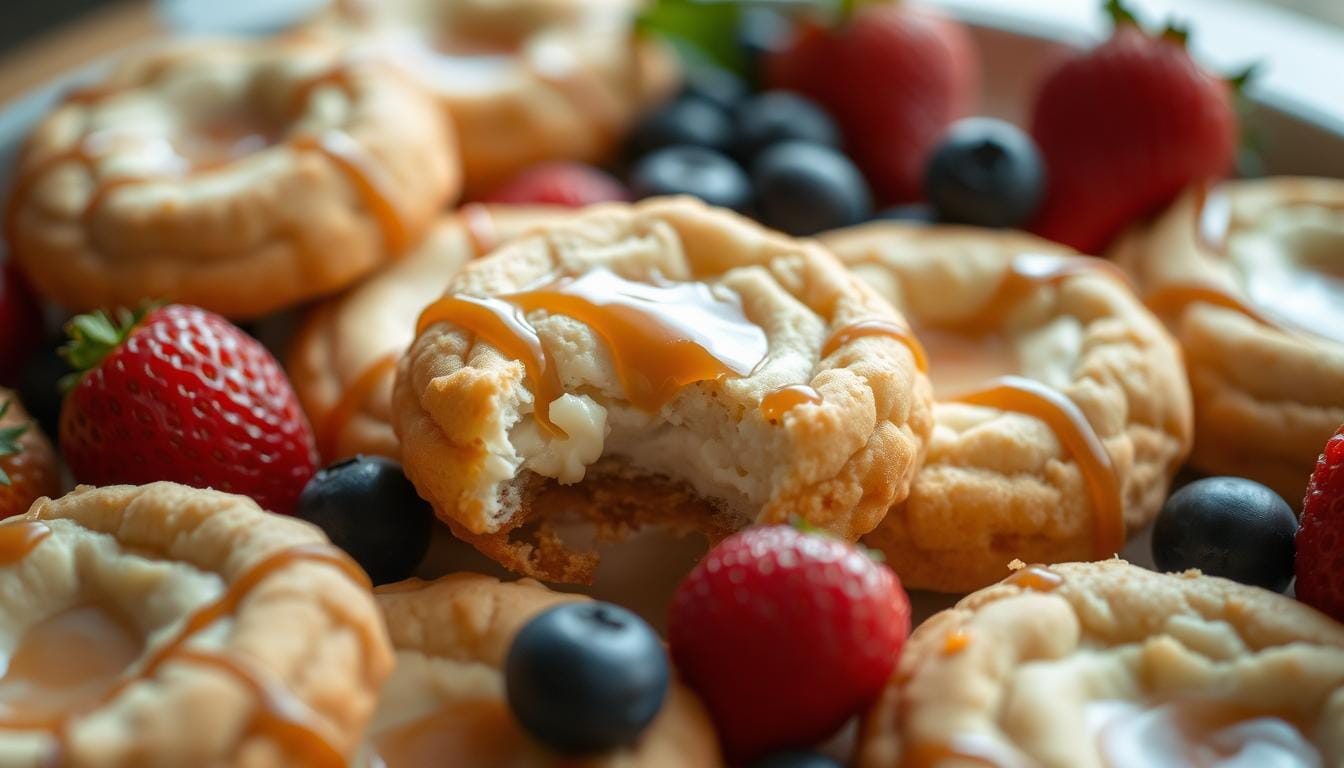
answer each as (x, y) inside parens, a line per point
(1121, 16)
(94, 336)
(9, 439)
(801, 525)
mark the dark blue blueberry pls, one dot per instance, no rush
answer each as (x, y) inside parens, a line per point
(985, 172)
(40, 386)
(367, 507)
(775, 117)
(695, 171)
(913, 213)
(586, 677)
(796, 760)
(715, 85)
(687, 121)
(1229, 527)
(803, 189)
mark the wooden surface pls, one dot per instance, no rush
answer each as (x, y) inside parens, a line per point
(67, 49)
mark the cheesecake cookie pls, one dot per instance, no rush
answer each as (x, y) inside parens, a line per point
(164, 625)
(447, 695)
(343, 358)
(1085, 665)
(1062, 411)
(681, 362)
(1249, 276)
(239, 177)
(524, 81)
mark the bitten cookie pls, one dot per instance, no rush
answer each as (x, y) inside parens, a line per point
(682, 361)
(1062, 411)
(446, 696)
(1085, 665)
(165, 625)
(1248, 277)
(239, 177)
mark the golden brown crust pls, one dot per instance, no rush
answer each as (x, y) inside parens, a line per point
(534, 80)
(156, 555)
(453, 635)
(241, 177)
(336, 357)
(1009, 670)
(1267, 396)
(998, 485)
(838, 464)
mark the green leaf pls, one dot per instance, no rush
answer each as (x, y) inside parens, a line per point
(95, 335)
(1120, 13)
(1177, 32)
(707, 28)
(9, 440)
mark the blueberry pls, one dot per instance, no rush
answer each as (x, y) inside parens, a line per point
(985, 172)
(367, 507)
(696, 171)
(40, 386)
(715, 85)
(1229, 527)
(775, 117)
(686, 121)
(796, 760)
(803, 189)
(913, 213)
(586, 677)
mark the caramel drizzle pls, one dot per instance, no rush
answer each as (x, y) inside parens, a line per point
(661, 337)
(1036, 578)
(1071, 427)
(963, 748)
(280, 716)
(369, 180)
(20, 538)
(865, 328)
(775, 404)
(330, 429)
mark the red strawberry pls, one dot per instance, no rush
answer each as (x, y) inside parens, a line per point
(894, 77)
(27, 461)
(181, 394)
(1125, 127)
(20, 324)
(569, 184)
(786, 635)
(1320, 535)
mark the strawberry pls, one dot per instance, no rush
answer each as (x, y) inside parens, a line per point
(181, 394)
(27, 461)
(786, 635)
(1320, 533)
(1125, 127)
(894, 77)
(20, 324)
(569, 184)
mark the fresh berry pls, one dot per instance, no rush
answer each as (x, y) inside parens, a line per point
(1125, 127)
(715, 85)
(796, 760)
(586, 677)
(803, 189)
(27, 462)
(367, 507)
(20, 324)
(912, 213)
(775, 117)
(985, 172)
(1320, 539)
(40, 385)
(694, 171)
(181, 394)
(687, 121)
(893, 76)
(786, 635)
(560, 183)
(1230, 527)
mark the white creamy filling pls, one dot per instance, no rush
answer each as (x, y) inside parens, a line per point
(1292, 263)
(566, 458)
(1130, 735)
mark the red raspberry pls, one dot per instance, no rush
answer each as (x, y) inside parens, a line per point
(786, 635)
(183, 395)
(1320, 535)
(569, 184)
